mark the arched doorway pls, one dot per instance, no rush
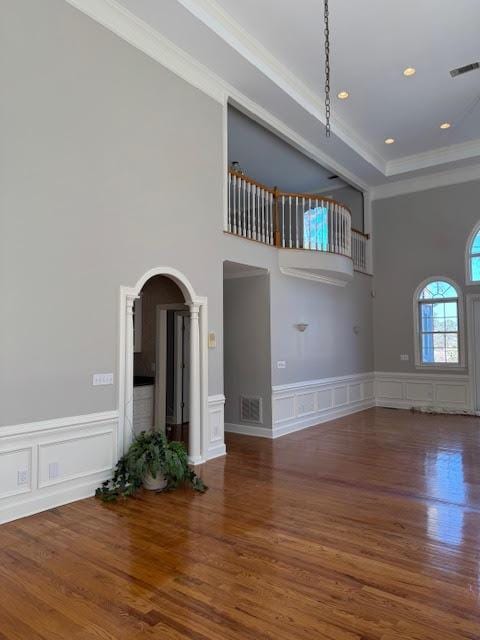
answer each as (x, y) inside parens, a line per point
(198, 373)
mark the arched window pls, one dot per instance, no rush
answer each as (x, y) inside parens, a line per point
(473, 256)
(438, 324)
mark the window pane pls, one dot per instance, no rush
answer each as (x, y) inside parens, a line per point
(451, 309)
(315, 228)
(452, 356)
(427, 355)
(476, 244)
(439, 355)
(438, 289)
(475, 268)
(439, 341)
(451, 341)
(451, 324)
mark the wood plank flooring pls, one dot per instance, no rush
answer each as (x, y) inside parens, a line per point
(365, 528)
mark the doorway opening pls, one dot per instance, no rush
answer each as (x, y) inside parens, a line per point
(164, 361)
(161, 355)
(247, 350)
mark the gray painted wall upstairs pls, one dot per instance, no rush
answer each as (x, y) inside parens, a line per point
(417, 236)
(95, 190)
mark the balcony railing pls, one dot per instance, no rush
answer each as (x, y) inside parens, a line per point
(292, 220)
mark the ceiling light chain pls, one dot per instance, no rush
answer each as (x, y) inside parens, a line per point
(327, 70)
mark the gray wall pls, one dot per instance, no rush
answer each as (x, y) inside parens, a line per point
(96, 141)
(246, 304)
(329, 347)
(95, 190)
(416, 236)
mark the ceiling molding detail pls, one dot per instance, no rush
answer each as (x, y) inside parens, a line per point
(221, 23)
(425, 182)
(140, 35)
(453, 153)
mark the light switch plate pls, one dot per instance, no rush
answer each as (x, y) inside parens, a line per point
(404, 357)
(102, 379)
(281, 364)
(212, 340)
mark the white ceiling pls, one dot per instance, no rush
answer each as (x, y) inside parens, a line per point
(373, 41)
(269, 54)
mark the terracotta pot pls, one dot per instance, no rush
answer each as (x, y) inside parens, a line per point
(156, 483)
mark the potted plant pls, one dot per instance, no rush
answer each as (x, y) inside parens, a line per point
(153, 462)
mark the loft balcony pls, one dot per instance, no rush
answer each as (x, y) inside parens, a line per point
(313, 234)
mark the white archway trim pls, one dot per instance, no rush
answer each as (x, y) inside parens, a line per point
(468, 255)
(461, 326)
(198, 428)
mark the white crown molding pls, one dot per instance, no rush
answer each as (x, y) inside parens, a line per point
(220, 22)
(436, 157)
(142, 36)
(423, 183)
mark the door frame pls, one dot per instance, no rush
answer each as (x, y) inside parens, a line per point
(198, 431)
(471, 344)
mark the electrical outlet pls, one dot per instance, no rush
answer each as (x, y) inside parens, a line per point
(281, 364)
(53, 470)
(22, 476)
(102, 379)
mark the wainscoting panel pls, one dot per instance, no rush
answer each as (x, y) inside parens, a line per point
(438, 392)
(215, 445)
(305, 404)
(53, 462)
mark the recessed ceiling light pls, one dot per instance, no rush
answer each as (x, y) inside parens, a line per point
(343, 95)
(409, 71)
(389, 140)
(445, 125)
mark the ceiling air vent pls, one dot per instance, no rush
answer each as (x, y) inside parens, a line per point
(251, 409)
(461, 70)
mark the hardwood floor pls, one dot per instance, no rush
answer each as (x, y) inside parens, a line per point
(367, 527)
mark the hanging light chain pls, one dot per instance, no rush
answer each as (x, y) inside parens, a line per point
(327, 70)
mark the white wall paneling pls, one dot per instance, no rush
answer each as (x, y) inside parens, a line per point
(305, 404)
(215, 445)
(439, 392)
(53, 462)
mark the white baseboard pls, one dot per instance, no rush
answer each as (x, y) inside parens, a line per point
(53, 462)
(249, 430)
(439, 392)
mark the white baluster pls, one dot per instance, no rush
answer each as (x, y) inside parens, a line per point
(309, 222)
(283, 221)
(290, 221)
(249, 209)
(254, 214)
(229, 217)
(271, 220)
(234, 198)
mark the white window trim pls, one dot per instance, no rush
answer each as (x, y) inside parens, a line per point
(461, 328)
(469, 255)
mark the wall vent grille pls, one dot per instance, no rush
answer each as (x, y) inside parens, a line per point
(461, 70)
(251, 409)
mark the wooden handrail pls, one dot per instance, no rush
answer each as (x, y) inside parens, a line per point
(277, 193)
(251, 180)
(360, 233)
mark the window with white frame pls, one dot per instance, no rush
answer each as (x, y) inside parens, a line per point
(438, 324)
(473, 256)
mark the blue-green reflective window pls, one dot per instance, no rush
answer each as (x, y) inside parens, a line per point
(438, 320)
